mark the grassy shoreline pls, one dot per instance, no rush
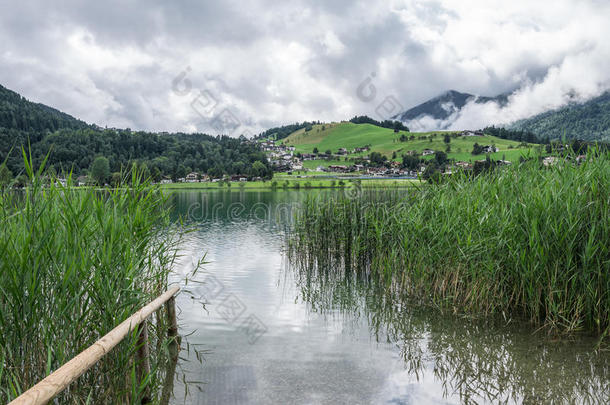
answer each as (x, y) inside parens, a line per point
(524, 240)
(293, 183)
(74, 263)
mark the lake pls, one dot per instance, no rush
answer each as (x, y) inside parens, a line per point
(258, 330)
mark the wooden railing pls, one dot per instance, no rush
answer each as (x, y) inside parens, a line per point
(57, 381)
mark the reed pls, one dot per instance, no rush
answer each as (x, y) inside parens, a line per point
(522, 241)
(74, 263)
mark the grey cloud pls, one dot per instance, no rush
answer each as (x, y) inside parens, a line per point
(271, 63)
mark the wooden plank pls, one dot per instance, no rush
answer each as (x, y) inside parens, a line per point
(57, 381)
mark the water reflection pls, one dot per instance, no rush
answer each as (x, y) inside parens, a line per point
(334, 338)
(472, 360)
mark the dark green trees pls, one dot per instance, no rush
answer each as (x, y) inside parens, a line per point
(477, 149)
(100, 170)
(5, 175)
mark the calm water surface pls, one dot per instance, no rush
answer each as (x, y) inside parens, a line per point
(270, 333)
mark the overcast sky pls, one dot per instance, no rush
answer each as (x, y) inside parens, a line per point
(235, 66)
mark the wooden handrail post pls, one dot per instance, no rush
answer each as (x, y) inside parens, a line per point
(57, 381)
(168, 385)
(143, 363)
(172, 330)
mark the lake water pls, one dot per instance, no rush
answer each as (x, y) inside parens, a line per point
(270, 333)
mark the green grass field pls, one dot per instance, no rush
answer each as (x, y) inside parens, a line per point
(292, 183)
(383, 140)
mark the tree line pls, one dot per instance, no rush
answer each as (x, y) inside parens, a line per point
(160, 155)
(518, 135)
(589, 121)
(395, 125)
(73, 146)
(285, 130)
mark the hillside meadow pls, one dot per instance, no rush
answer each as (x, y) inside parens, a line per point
(385, 141)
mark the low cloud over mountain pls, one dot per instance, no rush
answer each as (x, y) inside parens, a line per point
(211, 66)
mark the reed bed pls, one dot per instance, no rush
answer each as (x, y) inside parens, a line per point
(524, 241)
(75, 263)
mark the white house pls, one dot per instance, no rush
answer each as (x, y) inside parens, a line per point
(192, 177)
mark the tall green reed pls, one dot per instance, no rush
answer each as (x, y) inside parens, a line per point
(521, 241)
(74, 263)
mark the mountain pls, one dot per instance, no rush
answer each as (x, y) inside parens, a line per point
(20, 114)
(443, 106)
(72, 145)
(589, 121)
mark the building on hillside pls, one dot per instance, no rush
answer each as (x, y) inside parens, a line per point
(472, 133)
(362, 149)
(83, 181)
(338, 168)
(490, 149)
(463, 165)
(427, 152)
(377, 171)
(342, 151)
(192, 177)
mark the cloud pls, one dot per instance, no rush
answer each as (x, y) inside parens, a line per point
(114, 63)
(550, 60)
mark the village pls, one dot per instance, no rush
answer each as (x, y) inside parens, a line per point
(358, 162)
(286, 159)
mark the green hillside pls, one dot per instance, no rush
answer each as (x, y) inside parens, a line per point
(589, 121)
(73, 145)
(20, 114)
(385, 141)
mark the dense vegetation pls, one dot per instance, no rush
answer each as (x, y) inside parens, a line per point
(73, 145)
(73, 265)
(514, 135)
(21, 115)
(589, 121)
(395, 125)
(284, 131)
(160, 155)
(456, 348)
(522, 240)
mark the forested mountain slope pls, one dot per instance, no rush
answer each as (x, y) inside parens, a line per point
(589, 121)
(72, 145)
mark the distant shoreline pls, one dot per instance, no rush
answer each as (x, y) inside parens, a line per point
(294, 184)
